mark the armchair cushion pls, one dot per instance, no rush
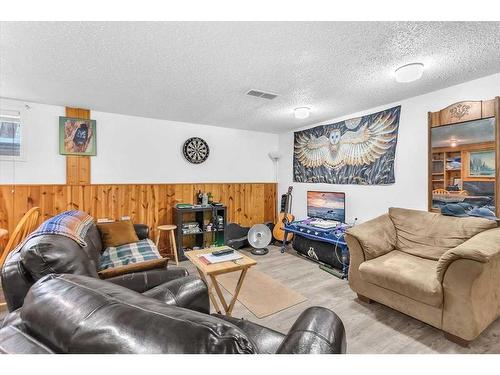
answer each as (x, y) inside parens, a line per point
(405, 274)
(377, 236)
(432, 233)
(481, 248)
(427, 252)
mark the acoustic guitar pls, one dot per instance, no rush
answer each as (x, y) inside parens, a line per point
(284, 217)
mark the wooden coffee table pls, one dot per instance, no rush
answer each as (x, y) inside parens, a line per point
(213, 270)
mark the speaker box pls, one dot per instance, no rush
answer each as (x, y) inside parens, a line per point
(323, 252)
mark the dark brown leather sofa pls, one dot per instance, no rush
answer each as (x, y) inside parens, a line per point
(81, 314)
(54, 253)
(59, 304)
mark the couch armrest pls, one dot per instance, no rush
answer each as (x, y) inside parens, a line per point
(480, 248)
(266, 340)
(471, 298)
(189, 292)
(142, 281)
(376, 237)
(14, 341)
(316, 331)
(470, 275)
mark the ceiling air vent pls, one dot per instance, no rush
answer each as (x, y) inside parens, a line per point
(262, 94)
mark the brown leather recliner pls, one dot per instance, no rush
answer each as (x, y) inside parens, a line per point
(54, 253)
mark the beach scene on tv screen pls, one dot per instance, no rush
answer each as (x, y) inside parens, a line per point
(326, 205)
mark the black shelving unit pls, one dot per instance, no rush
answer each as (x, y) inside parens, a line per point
(203, 216)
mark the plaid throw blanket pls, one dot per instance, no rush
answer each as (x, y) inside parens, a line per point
(72, 224)
(136, 252)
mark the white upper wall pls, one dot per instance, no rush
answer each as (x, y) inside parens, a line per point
(410, 189)
(138, 150)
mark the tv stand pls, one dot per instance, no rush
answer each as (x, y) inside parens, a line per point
(324, 246)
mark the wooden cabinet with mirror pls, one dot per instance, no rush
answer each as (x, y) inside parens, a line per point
(464, 155)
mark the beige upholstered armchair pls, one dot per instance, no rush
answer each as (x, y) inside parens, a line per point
(444, 271)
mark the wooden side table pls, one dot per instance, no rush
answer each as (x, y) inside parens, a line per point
(169, 229)
(212, 270)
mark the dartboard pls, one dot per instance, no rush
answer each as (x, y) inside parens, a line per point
(196, 150)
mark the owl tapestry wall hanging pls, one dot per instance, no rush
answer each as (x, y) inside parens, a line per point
(357, 151)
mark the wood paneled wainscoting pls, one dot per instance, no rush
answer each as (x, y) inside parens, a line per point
(151, 204)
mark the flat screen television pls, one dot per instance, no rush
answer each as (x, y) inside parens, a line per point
(326, 205)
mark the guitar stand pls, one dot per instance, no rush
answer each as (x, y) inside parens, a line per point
(284, 243)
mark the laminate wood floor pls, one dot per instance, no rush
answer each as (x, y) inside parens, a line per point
(370, 328)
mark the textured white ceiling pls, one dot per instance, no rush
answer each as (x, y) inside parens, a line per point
(199, 71)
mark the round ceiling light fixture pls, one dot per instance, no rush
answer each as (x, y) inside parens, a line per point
(302, 112)
(409, 72)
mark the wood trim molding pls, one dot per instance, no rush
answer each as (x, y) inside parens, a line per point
(462, 112)
(77, 167)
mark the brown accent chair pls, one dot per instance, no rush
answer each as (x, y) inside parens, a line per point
(442, 270)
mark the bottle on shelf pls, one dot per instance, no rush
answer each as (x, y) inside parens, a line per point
(204, 200)
(199, 197)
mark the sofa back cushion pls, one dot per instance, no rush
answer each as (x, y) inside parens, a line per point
(46, 254)
(429, 234)
(53, 253)
(377, 236)
(78, 314)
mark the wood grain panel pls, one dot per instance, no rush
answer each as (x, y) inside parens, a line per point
(77, 167)
(151, 204)
(462, 112)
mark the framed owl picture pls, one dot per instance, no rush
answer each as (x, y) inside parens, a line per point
(357, 151)
(77, 136)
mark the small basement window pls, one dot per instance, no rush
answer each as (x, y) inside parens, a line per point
(10, 135)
